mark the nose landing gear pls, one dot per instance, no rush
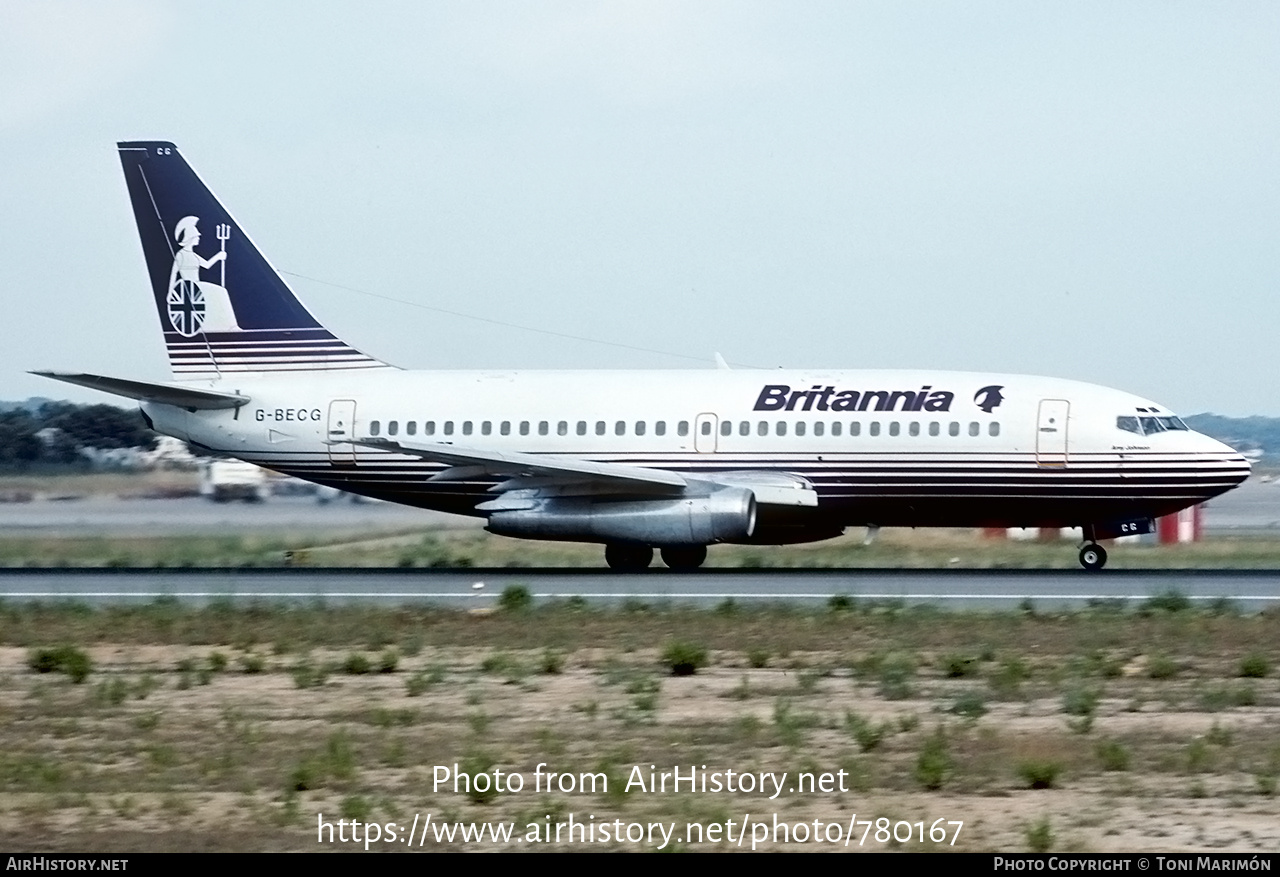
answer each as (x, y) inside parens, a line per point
(1093, 557)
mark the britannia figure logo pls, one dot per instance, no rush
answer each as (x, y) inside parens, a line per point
(989, 397)
(197, 305)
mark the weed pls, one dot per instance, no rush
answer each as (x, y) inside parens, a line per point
(356, 664)
(1218, 735)
(684, 658)
(217, 662)
(1254, 666)
(1113, 755)
(841, 603)
(934, 765)
(1040, 836)
(956, 666)
(356, 807)
(63, 659)
(252, 663)
(552, 662)
(741, 691)
(515, 598)
(758, 658)
(388, 661)
(422, 680)
(477, 766)
(867, 735)
(1039, 774)
(1161, 667)
(895, 677)
(1007, 679)
(1169, 601)
(1080, 700)
(970, 705)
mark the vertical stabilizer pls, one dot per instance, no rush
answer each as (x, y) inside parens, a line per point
(223, 309)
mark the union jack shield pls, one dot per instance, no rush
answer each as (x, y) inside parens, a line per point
(186, 308)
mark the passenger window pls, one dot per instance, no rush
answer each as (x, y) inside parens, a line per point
(660, 428)
(894, 428)
(835, 427)
(639, 427)
(375, 427)
(562, 428)
(953, 429)
(875, 427)
(763, 428)
(974, 428)
(411, 427)
(726, 427)
(582, 427)
(393, 427)
(744, 428)
(994, 428)
(620, 428)
(855, 428)
(817, 428)
(448, 427)
(486, 428)
(781, 428)
(934, 428)
(429, 428)
(505, 429)
(544, 428)
(524, 427)
(913, 428)
(800, 428)
(600, 427)
(466, 427)
(682, 428)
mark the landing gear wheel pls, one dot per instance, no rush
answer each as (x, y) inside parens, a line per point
(684, 556)
(628, 557)
(1093, 557)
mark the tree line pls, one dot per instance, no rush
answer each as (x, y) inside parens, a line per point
(56, 433)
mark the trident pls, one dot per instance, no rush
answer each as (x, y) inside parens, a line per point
(224, 232)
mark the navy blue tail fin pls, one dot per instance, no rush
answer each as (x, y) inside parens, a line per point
(222, 307)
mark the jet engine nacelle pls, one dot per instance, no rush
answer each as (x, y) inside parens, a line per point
(727, 515)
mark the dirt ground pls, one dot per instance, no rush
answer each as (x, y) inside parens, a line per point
(166, 747)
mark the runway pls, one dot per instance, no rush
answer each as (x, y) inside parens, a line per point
(970, 590)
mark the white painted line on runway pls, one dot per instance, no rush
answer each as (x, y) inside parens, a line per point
(471, 595)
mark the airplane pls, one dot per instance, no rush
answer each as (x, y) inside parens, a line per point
(635, 460)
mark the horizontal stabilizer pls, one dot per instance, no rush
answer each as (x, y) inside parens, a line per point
(145, 391)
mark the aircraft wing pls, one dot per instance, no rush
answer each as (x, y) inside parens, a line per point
(145, 391)
(473, 462)
(553, 474)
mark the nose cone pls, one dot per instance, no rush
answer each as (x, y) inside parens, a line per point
(1221, 467)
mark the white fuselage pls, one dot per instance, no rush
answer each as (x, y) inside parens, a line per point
(892, 448)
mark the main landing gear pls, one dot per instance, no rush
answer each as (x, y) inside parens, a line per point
(637, 557)
(1093, 557)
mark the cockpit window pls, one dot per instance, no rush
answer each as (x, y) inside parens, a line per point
(1148, 425)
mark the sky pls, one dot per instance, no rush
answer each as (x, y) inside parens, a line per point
(1087, 190)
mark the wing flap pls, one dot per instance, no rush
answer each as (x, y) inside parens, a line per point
(510, 463)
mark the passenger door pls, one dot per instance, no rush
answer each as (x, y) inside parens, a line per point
(1051, 434)
(341, 428)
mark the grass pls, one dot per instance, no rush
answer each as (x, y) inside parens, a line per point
(254, 743)
(410, 547)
